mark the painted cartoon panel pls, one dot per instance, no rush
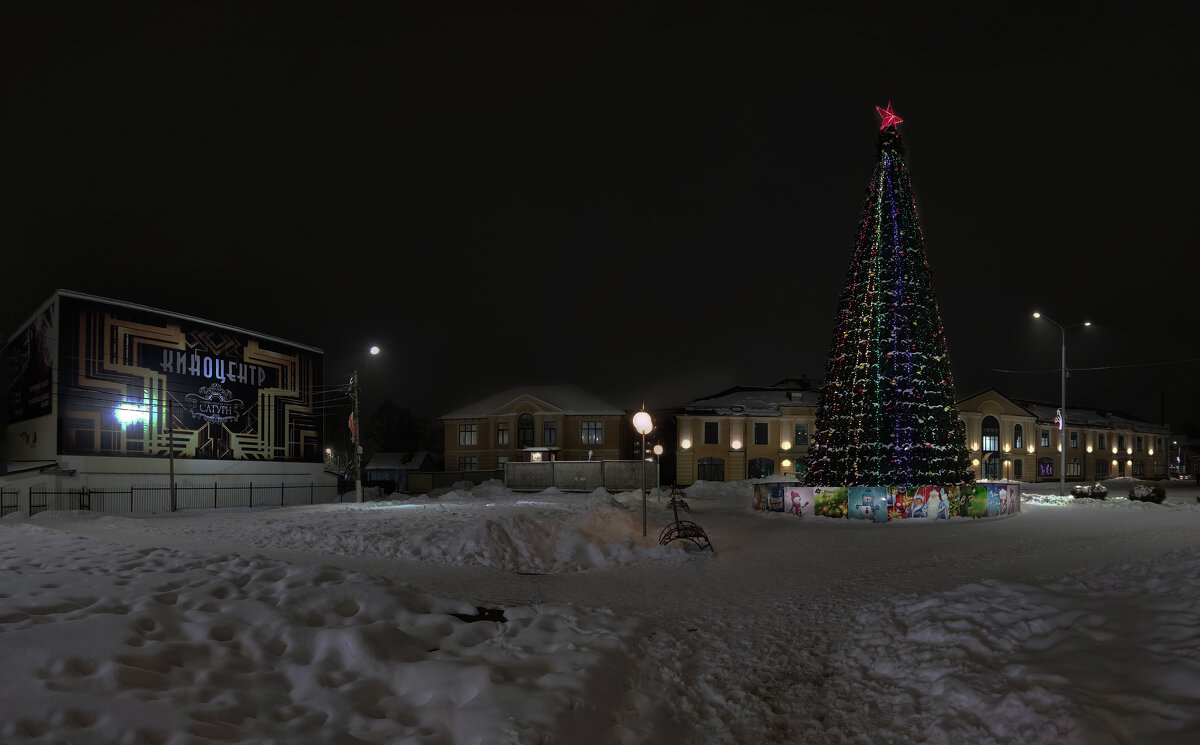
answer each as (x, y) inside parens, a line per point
(799, 500)
(933, 503)
(977, 500)
(900, 502)
(830, 501)
(869, 503)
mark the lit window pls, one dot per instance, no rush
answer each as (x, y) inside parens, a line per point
(468, 434)
(991, 434)
(593, 433)
(502, 433)
(1075, 440)
(1018, 436)
(1045, 467)
(1045, 438)
(1073, 468)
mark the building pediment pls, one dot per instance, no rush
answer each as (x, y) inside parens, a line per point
(992, 402)
(526, 404)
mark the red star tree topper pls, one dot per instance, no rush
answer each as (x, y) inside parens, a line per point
(889, 118)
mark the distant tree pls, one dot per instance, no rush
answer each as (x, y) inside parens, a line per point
(395, 430)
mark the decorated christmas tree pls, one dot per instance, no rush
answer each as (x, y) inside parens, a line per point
(887, 414)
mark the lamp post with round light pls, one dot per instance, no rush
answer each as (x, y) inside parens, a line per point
(357, 432)
(1062, 415)
(658, 451)
(643, 424)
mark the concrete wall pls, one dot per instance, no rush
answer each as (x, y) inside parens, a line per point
(580, 476)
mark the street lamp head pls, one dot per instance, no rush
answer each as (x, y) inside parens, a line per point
(658, 450)
(375, 350)
(1036, 314)
(1087, 323)
(643, 423)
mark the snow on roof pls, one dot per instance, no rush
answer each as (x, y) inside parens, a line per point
(1095, 418)
(753, 401)
(563, 399)
(400, 461)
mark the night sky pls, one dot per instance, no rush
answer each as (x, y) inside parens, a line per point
(654, 206)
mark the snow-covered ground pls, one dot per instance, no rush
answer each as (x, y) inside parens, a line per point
(1076, 621)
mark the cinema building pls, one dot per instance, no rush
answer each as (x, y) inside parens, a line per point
(103, 398)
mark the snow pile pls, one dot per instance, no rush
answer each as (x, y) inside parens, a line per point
(489, 616)
(113, 644)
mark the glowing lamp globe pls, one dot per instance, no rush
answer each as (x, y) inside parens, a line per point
(642, 423)
(375, 350)
(658, 450)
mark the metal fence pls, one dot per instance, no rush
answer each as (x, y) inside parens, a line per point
(189, 497)
(9, 501)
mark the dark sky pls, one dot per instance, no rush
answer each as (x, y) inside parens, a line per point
(657, 206)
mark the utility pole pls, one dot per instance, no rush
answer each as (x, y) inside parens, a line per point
(357, 441)
(171, 446)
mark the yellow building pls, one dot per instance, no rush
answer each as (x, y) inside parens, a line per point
(745, 432)
(751, 432)
(555, 422)
(1019, 439)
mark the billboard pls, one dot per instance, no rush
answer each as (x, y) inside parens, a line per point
(26, 367)
(138, 382)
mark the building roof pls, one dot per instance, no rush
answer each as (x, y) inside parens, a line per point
(184, 316)
(1093, 418)
(756, 400)
(562, 399)
(398, 461)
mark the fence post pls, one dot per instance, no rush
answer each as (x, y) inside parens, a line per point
(280, 493)
(214, 495)
(131, 490)
(311, 494)
(251, 495)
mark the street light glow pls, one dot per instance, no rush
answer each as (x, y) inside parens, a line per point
(375, 350)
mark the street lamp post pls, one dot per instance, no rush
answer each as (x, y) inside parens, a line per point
(1062, 415)
(643, 424)
(658, 451)
(357, 432)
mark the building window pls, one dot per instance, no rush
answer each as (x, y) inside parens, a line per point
(1045, 467)
(1120, 468)
(468, 434)
(711, 436)
(760, 468)
(502, 433)
(991, 434)
(1137, 443)
(1101, 467)
(525, 431)
(1160, 469)
(1100, 443)
(1139, 468)
(1018, 466)
(593, 433)
(1158, 444)
(549, 433)
(1045, 438)
(1073, 468)
(1018, 436)
(1121, 445)
(1074, 439)
(760, 434)
(466, 462)
(710, 469)
(801, 436)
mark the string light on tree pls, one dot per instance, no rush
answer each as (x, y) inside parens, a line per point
(887, 414)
